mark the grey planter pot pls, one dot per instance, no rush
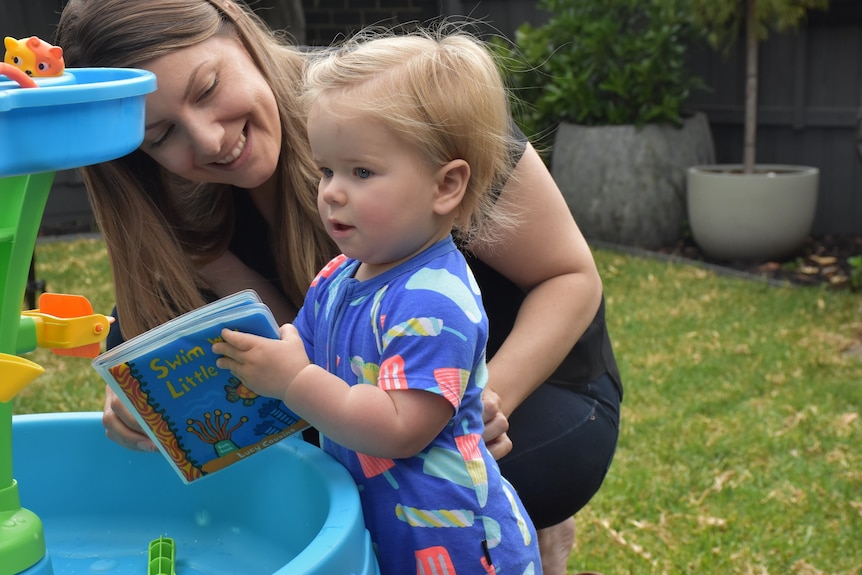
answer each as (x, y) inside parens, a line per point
(762, 216)
(626, 185)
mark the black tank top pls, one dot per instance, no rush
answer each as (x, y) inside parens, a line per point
(590, 358)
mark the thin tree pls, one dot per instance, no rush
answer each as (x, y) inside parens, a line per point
(721, 20)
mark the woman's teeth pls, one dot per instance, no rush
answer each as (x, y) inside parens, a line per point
(240, 145)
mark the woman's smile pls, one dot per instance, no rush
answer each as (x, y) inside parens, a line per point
(235, 152)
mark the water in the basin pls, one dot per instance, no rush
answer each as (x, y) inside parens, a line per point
(115, 546)
(289, 509)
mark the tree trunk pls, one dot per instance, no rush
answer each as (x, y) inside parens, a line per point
(751, 46)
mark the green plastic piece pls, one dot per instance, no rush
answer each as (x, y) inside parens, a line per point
(161, 557)
(22, 203)
(27, 336)
(22, 542)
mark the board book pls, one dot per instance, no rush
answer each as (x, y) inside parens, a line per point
(202, 418)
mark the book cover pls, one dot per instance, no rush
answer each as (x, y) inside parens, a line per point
(202, 418)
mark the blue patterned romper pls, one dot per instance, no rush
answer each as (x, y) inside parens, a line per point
(421, 325)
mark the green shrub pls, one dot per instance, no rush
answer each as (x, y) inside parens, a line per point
(600, 62)
(855, 272)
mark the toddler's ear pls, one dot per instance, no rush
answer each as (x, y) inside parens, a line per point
(452, 181)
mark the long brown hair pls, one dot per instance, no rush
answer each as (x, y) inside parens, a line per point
(159, 229)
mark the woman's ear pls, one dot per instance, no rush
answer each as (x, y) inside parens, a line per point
(452, 181)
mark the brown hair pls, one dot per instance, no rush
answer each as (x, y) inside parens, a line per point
(160, 229)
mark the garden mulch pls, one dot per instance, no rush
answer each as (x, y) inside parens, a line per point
(820, 261)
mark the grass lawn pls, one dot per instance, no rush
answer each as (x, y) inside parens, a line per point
(741, 442)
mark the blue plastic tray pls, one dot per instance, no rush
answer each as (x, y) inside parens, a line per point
(289, 510)
(86, 116)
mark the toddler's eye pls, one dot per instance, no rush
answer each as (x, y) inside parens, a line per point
(327, 173)
(363, 173)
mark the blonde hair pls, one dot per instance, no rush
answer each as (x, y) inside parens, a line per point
(441, 92)
(158, 228)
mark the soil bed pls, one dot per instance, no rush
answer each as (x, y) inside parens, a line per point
(823, 260)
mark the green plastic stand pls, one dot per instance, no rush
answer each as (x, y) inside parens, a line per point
(162, 554)
(22, 203)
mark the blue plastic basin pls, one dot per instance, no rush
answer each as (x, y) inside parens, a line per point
(289, 510)
(87, 116)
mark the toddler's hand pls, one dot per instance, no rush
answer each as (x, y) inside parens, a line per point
(266, 366)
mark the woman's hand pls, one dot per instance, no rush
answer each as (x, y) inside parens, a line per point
(121, 427)
(496, 425)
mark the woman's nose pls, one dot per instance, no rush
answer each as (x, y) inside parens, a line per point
(206, 139)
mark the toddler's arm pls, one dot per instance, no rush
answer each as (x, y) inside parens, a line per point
(364, 418)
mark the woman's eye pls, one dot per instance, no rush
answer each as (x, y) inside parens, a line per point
(210, 90)
(362, 173)
(162, 139)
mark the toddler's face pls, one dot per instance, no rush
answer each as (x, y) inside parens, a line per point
(376, 195)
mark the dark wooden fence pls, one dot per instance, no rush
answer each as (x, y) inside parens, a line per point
(810, 84)
(809, 100)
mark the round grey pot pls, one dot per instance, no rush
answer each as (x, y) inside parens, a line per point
(626, 185)
(765, 215)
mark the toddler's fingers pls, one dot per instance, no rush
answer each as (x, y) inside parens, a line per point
(240, 340)
(228, 363)
(287, 330)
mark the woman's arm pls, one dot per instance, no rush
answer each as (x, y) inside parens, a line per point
(546, 255)
(227, 275)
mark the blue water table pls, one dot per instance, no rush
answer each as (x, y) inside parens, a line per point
(77, 502)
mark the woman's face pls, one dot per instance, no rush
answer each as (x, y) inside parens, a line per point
(213, 117)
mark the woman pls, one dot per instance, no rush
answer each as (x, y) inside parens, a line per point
(221, 196)
(402, 161)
